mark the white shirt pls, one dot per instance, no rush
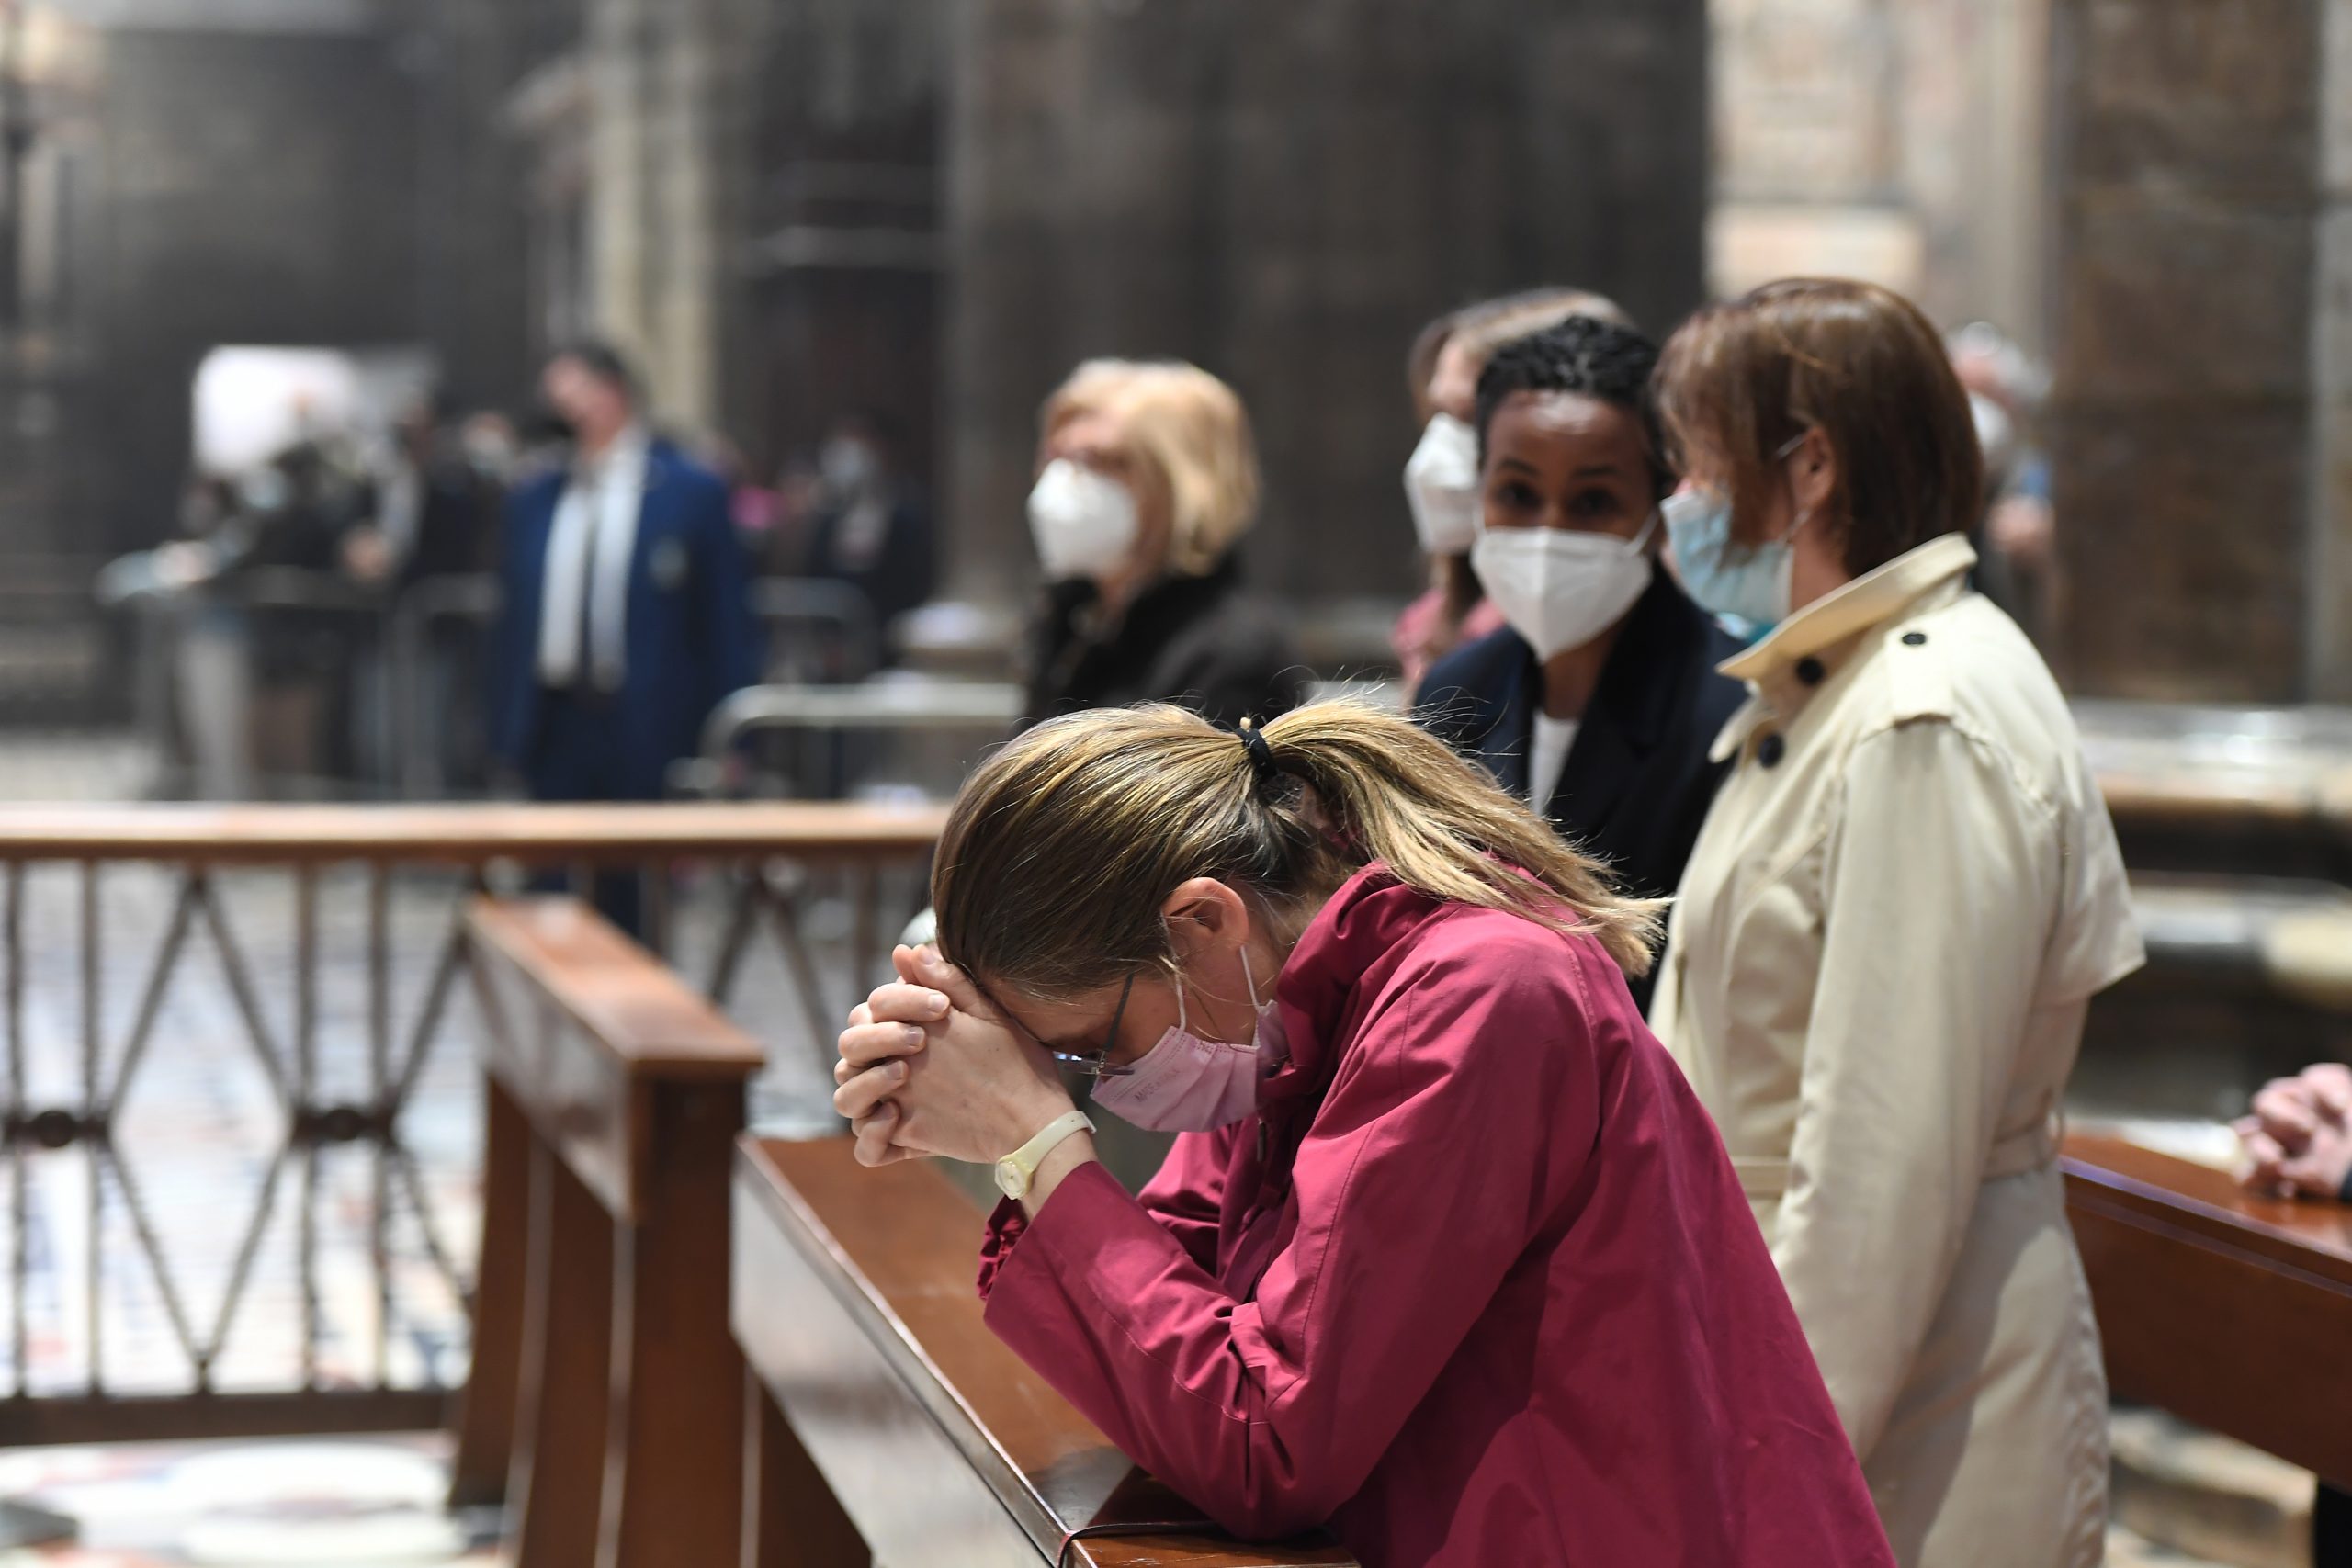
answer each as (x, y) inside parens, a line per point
(1555, 737)
(601, 503)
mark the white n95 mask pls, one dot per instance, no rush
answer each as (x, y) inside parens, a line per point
(1085, 524)
(1560, 590)
(1442, 484)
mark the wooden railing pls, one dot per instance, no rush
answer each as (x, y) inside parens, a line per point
(888, 1423)
(337, 1015)
(2244, 790)
(600, 1406)
(2230, 1310)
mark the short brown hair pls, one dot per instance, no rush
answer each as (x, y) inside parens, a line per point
(1062, 848)
(1740, 381)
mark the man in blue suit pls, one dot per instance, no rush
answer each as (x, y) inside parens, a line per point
(626, 617)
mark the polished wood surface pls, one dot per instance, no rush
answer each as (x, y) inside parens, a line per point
(2231, 1310)
(677, 1379)
(486, 1407)
(638, 1012)
(467, 834)
(2186, 798)
(627, 1090)
(564, 1411)
(854, 1303)
(791, 1518)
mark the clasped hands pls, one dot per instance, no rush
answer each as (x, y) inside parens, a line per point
(929, 1065)
(2298, 1138)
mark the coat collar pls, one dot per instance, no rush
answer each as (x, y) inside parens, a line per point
(1810, 648)
(1371, 916)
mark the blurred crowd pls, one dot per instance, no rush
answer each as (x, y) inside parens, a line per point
(322, 622)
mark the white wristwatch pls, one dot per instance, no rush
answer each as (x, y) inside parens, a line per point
(1018, 1170)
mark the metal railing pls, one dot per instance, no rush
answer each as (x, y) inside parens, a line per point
(244, 1209)
(418, 650)
(801, 722)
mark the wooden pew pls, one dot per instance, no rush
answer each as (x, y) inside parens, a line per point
(2229, 1310)
(887, 1423)
(605, 1400)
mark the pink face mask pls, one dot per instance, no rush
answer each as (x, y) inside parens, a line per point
(1186, 1084)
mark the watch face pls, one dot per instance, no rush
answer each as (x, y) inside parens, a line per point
(1011, 1180)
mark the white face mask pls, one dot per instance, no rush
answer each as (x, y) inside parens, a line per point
(1560, 590)
(1441, 483)
(1085, 525)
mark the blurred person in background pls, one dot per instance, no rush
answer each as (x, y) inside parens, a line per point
(264, 664)
(1902, 903)
(626, 617)
(436, 508)
(869, 527)
(1598, 701)
(1442, 477)
(2016, 542)
(437, 502)
(2298, 1141)
(1146, 483)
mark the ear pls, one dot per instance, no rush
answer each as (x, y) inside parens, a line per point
(1812, 472)
(1203, 914)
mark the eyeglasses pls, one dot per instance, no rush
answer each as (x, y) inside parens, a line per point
(1098, 1064)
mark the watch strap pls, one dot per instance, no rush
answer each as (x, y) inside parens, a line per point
(1024, 1160)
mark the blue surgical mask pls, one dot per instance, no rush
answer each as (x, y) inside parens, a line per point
(1746, 582)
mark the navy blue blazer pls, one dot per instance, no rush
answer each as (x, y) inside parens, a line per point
(1637, 781)
(691, 640)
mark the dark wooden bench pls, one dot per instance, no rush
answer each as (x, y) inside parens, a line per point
(887, 1423)
(2229, 1310)
(605, 1403)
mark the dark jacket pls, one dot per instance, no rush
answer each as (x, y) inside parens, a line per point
(457, 525)
(1198, 642)
(691, 638)
(895, 576)
(1637, 781)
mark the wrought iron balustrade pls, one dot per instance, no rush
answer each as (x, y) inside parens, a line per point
(239, 1192)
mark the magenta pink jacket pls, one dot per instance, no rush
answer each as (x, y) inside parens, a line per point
(1477, 1286)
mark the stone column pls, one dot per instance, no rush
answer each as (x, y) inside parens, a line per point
(2328, 666)
(623, 36)
(2200, 468)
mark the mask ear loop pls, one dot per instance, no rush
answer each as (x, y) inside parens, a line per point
(1788, 449)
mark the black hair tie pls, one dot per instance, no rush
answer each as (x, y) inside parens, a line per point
(1262, 756)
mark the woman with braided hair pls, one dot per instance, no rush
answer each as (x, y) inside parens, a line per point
(1446, 1256)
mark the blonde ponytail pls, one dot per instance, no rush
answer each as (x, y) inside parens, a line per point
(1445, 830)
(1062, 847)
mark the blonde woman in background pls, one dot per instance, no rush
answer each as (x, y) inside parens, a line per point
(1442, 480)
(1146, 483)
(1897, 912)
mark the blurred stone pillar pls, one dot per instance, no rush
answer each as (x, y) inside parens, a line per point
(1284, 194)
(656, 256)
(2330, 653)
(2203, 465)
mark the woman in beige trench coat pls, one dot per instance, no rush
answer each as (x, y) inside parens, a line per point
(1906, 896)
